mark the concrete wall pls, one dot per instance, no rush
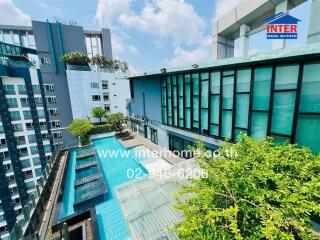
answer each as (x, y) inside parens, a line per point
(151, 90)
(80, 91)
(119, 93)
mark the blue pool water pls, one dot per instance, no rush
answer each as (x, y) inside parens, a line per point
(111, 222)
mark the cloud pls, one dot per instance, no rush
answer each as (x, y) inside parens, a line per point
(167, 18)
(223, 6)
(133, 49)
(109, 10)
(200, 54)
(11, 15)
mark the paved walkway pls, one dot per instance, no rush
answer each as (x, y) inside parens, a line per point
(139, 140)
(52, 200)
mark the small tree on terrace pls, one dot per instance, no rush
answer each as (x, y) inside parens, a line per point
(261, 191)
(81, 128)
(116, 120)
(98, 112)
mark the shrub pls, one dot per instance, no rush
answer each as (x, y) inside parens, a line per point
(111, 65)
(116, 120)
(76, 58)
(262, 191)
(98, 112)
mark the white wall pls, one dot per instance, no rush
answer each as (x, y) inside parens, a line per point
(119, 92)
(80, 91)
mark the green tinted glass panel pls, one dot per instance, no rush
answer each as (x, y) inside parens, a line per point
(204, 76)
(163, 83)
(180, 85)
(215, 101)
(195, 108)
(280, 140)
(187, 96)
(286, 77)
(169, 108)
(163, 97)
(310, 89)
(174, 80)
(195, 124)
(204, 119)
(227, 92)
(282, 115)
(227, 72)
(175, 116)
(181, 123)
(169, 120)
(188, 118)
(226, 124)
(238, 132)
(169, 86)
(259, 125)
(308, 129)
(242, 110)
(187, 78)
(214, 130)
(25, 163)
(204, 94)
(195, 84)
(261, 90)
(215, 83)
(175, 96)
(181, 108)
(243, 80)
(164, 115)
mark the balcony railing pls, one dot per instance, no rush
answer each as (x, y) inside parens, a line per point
(36, 198)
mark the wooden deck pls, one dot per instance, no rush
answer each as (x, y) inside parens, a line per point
(139, 140)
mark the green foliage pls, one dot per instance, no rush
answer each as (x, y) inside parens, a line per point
(254, 190)
(81, 128)
(100, 128)
(110, 65)
(76, 58)
(115, 120)
(98, 112)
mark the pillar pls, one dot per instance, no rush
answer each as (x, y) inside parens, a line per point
(281, 7)
(222, 47)
(244, 40)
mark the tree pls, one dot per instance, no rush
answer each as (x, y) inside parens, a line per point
(115, 120)
(76, 58)
(111, 65)
(98, 112)
(81, 128)
(254, 190)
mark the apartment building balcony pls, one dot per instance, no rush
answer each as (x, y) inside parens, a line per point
(12, 104)
(10, 92)
(15, 118)
(22, 90)
(27, 116)
(3, 144)
(23, 152)
(18, 129)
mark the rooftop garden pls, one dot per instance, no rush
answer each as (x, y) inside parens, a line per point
(101, 63)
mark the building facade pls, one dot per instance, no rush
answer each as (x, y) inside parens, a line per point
(25, 133)
(89, 89)
(264, 95)
(52, 40)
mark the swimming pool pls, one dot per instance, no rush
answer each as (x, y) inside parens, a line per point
(111, 221)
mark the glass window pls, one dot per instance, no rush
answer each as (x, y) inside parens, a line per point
(94, 85)
(243, 80)
(283, 110)
(286, 77)
(226, 124)
(204, 76)
(227, 92)
(180, 85)
(181, 108)
(196, 108)
(195, 84)
(169, 86)
(215, 82)
(214, 130)
(227, 72)
(187, 78)
(187, 95)
(188, 116)
(261, 89)
(308, 129)
(242, 110)
(204, 94)
(259, 125)
(280, 140)
(204, 120)
(25, 163)
(215, 101)
(310, 93)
